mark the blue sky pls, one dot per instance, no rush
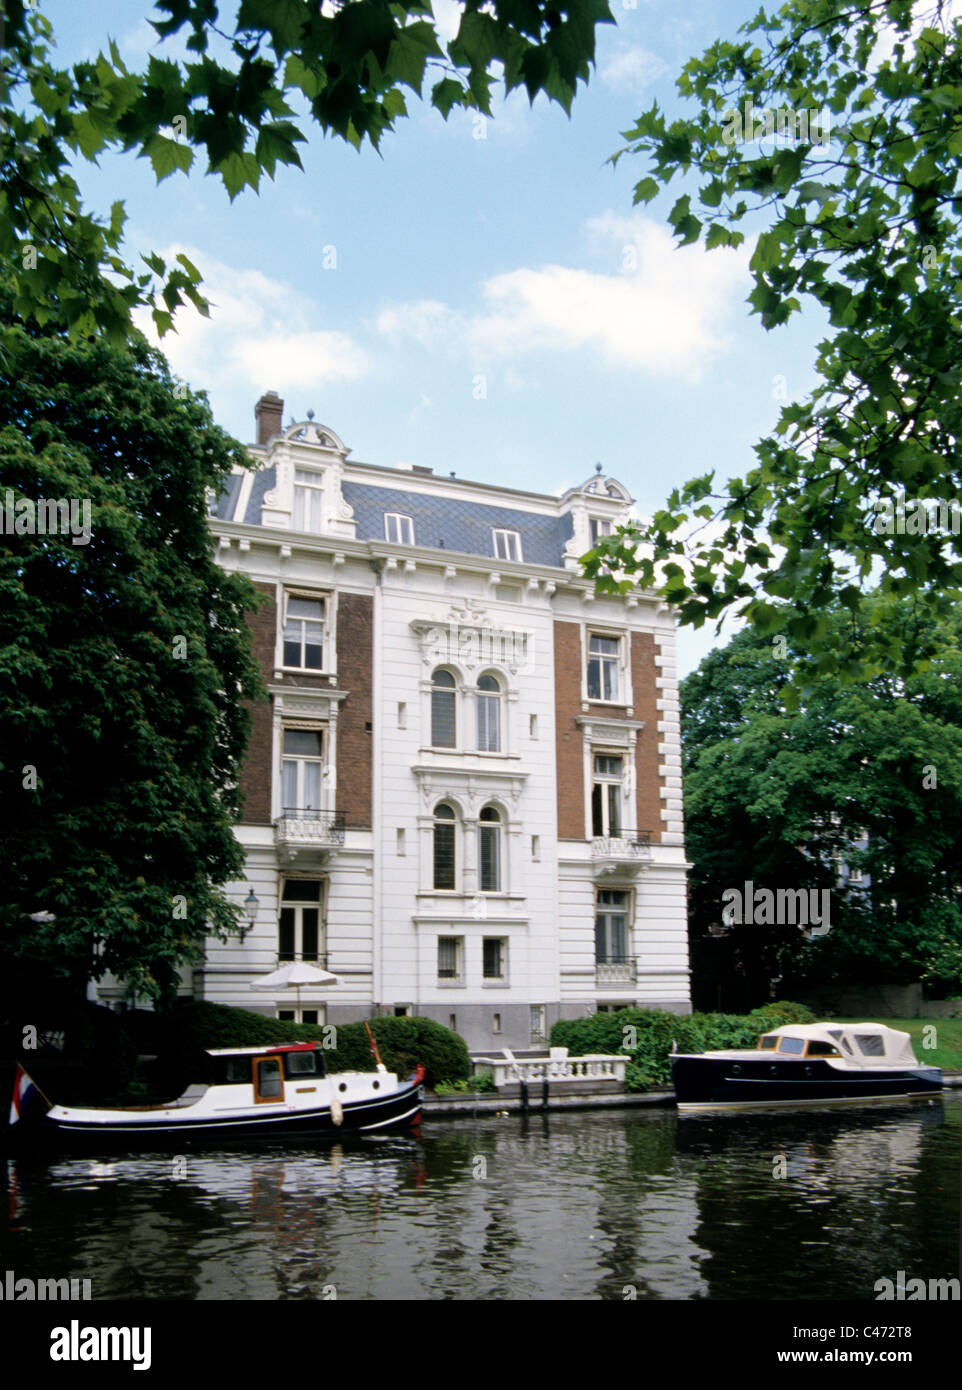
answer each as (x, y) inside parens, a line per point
(497, 308)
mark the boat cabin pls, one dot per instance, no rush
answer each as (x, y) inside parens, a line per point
(862, 1044)
(265, 1068)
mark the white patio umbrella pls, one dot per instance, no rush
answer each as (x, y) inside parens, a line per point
(293, 976)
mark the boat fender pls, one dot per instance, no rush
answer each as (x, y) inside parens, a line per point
(337, 1111)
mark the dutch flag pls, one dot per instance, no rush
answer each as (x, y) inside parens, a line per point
(24, 1092)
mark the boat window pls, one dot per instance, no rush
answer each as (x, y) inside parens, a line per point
(822, 1049)
(795, 1046)
(268, 1083)
(871, 1044)
(237, 1069)
(768, 1042)
(300, 1064)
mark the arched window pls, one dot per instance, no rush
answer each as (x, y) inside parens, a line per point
(444, 721)
(444, 853)
(489, 715)
(489, 850)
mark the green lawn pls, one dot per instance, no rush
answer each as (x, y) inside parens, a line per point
(948, 1035)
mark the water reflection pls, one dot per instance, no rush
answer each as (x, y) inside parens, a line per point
(786, 1204)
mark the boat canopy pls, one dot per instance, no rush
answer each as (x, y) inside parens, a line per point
(864, 1042)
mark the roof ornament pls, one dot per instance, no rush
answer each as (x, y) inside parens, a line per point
(310, 416)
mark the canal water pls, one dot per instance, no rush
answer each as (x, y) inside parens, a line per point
(597, 1205)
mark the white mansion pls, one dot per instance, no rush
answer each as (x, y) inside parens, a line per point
(464, 797)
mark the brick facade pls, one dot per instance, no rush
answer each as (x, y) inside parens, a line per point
(355, 648)
(647, 763)
(256, 773)
(570, 743)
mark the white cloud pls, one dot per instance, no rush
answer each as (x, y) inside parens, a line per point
(663, 314)
(427, 321)
(631, 68)
(661, 309)
(260, 331)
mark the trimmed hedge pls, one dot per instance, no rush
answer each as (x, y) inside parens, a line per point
(192, 1026)
(657, 1030)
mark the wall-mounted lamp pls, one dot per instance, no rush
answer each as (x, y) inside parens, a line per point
(251, 904)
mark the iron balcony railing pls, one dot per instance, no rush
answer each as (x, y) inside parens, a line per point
(627, 844)
(309, 827)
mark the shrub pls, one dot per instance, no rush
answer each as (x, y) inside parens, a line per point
(98, 1058)
(193, 1026)
(481, 1082)
(785, 1012)
(404, 1042)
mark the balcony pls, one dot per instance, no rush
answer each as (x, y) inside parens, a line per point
(311, 837)
(629, 851)
(616, 970)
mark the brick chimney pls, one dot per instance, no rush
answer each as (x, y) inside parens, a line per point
(267, 414)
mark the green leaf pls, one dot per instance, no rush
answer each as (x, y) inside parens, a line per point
(446, 94)
(645, 190)
(167, 156)
(239, 171)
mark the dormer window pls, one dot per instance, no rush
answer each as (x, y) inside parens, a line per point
(599, 528)
(507, 545)
(308, 496)
(398, 529)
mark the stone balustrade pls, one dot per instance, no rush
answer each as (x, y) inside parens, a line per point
(557, 1067)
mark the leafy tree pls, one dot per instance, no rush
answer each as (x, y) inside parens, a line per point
(857, 216)
(780, 796)
(252, 81)
(124, 660)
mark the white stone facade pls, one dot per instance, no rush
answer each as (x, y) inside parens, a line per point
(519, 904)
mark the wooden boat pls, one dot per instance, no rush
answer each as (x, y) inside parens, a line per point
(279, 1092)
(806, 1064)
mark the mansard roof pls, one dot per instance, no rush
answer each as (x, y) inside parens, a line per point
(455, 516)
(452, 523)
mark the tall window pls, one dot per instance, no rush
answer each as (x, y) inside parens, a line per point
(444, 856)
(308, 498)
(399, 529)
(606, 795)
(444, 722)
(603, 655)
(489, 850)
(495, 957)
(299, 930)
(507, 545)
(303, 632)
(450, 954)
(489, 715)
(611, 927)
(302, 771)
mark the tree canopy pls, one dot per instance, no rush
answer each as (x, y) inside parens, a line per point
(864, 777)
(258, 72)
(856, 214)
(124, 661)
